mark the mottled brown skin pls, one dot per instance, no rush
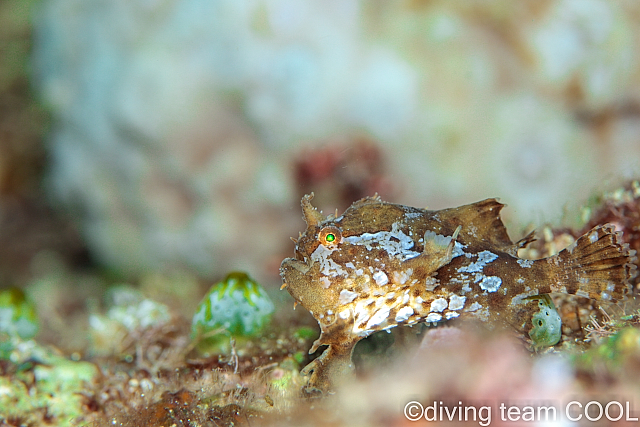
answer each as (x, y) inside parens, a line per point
(380, 265)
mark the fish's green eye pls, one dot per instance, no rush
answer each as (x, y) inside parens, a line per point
(329, 236)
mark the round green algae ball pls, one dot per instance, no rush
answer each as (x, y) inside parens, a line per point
(237, 305)
(547, 324)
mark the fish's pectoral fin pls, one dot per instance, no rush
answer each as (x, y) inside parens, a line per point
(334, 364)
(437, 252)
(333, 367)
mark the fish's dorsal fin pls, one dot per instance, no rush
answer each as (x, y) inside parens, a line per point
(375, 199)
(481, 222)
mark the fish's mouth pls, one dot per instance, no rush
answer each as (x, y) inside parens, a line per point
(293, 272)
(290, 264)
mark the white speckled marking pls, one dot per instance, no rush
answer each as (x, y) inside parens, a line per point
(346, 296)
(484, 258)
(401, 277)
(395, 242)
(593, 236)
(525, 263)
(491, 283)
(483, 314)
(381, 278)
(433, 317)
(458, 250)
(325, 282)
(361, 314)
(378, 317)
(475, 306)
(456, 302)
(431, 283)
(328, 267)
(344, 314)
(451, 314)
(403, 314)
(438, 305)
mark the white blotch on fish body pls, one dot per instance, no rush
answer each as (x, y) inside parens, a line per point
(381, 278)
(431, 283)
(458, 250)
(525, 263)
(361, 313)
(593, 236)
(438, 305)
(491, 283)
(456, 302)
(411, 215)
(325, 282)
(401, 277)
(433, 317)
(484, 258)
(405, 297)
(451, 314)
(403, 314)
(379, 317)
(475, 306)
(517, 300)
(328, 267)
(483, 314)
(395, 242)
(346, 296)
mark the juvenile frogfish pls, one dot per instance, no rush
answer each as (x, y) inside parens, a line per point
(381, 265)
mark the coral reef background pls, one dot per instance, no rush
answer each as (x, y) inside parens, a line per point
(175, 124)
(167, 143)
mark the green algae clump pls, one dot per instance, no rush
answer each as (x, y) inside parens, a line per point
(237, 306)
(41, 387)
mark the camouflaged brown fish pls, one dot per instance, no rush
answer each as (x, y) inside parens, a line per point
(381, 265)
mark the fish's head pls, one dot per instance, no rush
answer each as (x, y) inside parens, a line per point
(313, 277)
(343, 268)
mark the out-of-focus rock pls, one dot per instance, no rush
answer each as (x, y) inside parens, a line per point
(177, 122)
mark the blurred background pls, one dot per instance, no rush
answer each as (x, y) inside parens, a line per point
(151, 135)
(166, 143)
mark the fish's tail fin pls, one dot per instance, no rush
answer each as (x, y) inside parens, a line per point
(598, 265)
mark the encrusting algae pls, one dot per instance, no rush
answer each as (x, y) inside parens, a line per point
(380, 265)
